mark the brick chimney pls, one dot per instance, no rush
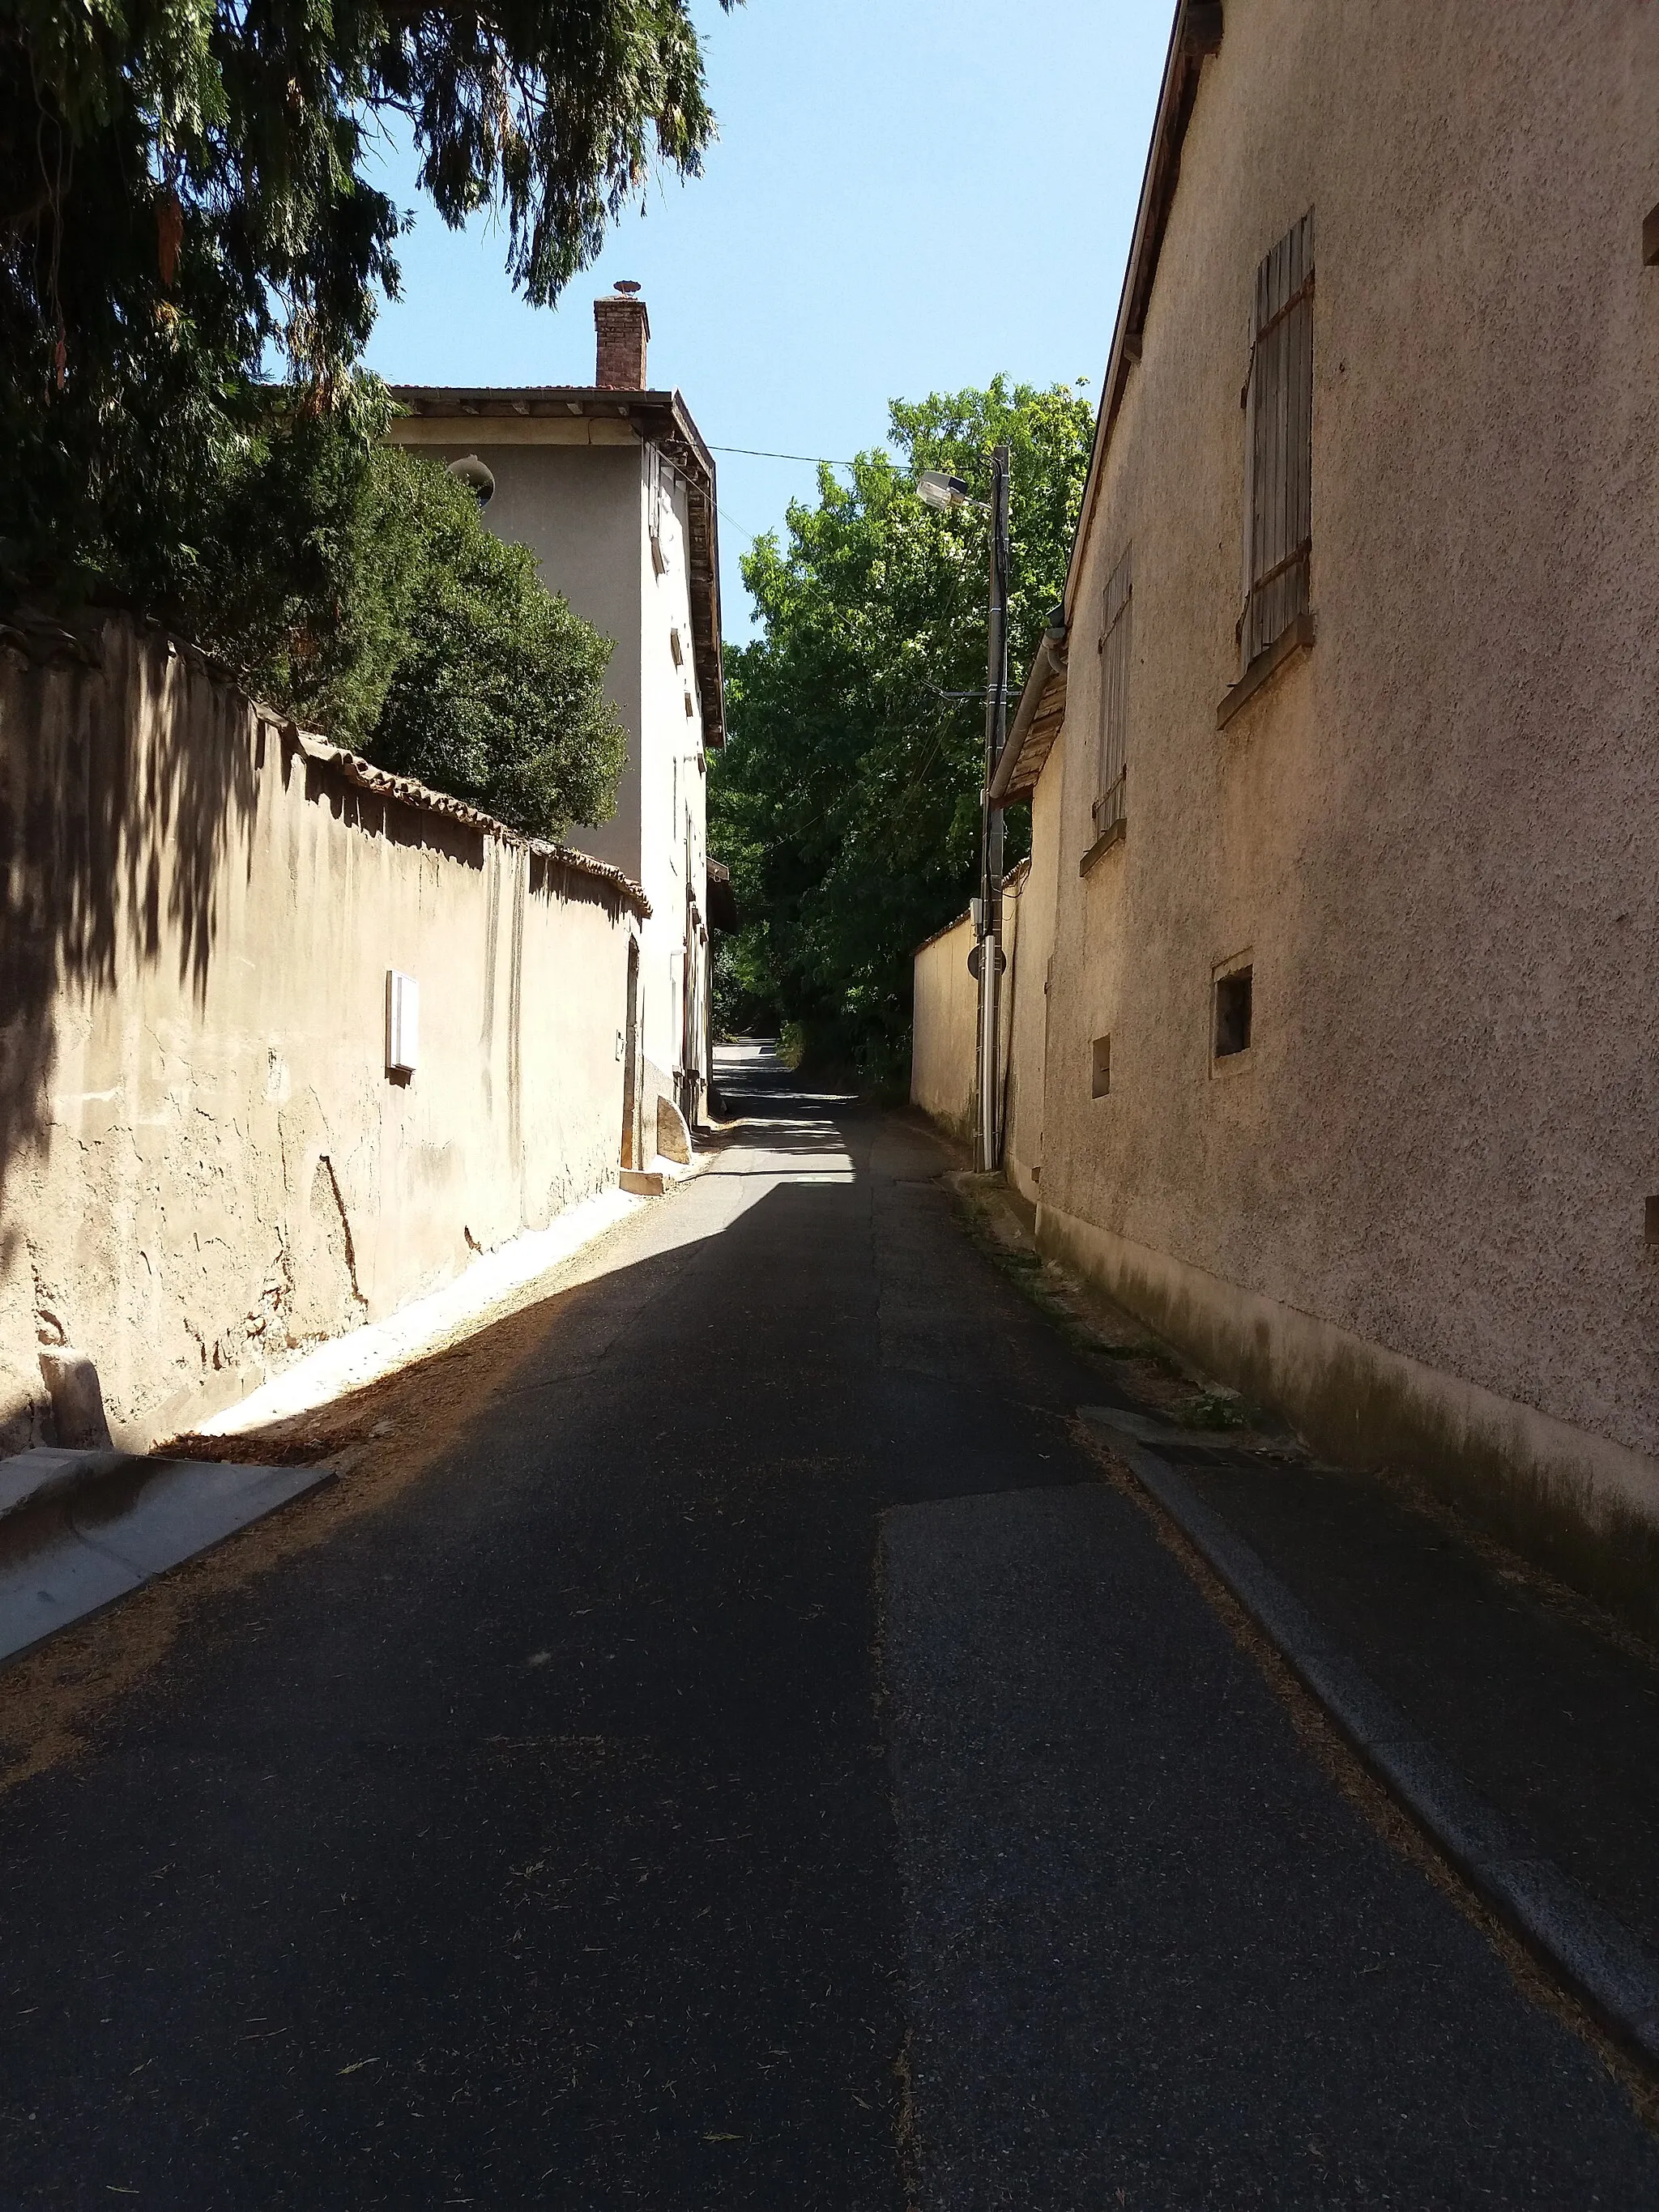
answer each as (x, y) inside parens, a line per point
(624, 327)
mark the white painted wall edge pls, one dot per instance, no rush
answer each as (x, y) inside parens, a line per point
(1390, 1404)
(380, 1348)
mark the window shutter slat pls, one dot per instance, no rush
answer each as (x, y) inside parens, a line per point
(1117, 612)
(1278, 443)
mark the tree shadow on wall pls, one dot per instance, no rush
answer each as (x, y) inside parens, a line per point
(130, 771)
(125, 774)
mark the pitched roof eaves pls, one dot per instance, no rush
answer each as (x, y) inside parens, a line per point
(1042, 696)
(1194, 35)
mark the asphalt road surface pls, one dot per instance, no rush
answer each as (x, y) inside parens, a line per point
(755, 1762)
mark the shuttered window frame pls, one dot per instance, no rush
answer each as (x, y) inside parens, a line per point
(1278, 397)
(654, 494)
(1116, 646)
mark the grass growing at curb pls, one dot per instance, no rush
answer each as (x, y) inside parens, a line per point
(1163, 1383)
(1098, 1332)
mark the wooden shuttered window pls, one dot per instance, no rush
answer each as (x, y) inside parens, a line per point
(1111, 781)
(1278, 444)
(653, 507)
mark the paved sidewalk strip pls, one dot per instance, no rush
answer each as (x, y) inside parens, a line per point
(1597, 1957)
(86, 1528)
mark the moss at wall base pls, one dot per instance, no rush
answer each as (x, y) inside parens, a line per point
(1581, 1507)
(960, 1128)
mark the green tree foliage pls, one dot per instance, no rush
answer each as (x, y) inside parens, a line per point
(184, 189)
(396, 622)
(184, 184)
(498, 694)
(847, 801)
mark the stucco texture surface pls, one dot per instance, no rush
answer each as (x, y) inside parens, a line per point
(1026, 1013)
(206, 1164)
(945, 1020)
(1431, 834)
(944, 1011)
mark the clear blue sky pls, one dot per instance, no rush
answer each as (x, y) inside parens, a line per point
(906, 197)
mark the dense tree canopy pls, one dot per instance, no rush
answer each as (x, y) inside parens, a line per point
(498, 690)
(398, 623)
(186, 192)
(847, 801)
(184, 184)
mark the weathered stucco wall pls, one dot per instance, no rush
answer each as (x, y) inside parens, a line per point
(944, 1011)
(204, 1162)
(1422, 1190)
(673, 815)
(945, 1019)
(1026, 1010)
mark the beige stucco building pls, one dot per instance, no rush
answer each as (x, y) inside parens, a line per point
(1335, 1008)
(613, 489)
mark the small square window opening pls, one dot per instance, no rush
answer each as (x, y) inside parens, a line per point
(1101, 1072)
(1232, 1013)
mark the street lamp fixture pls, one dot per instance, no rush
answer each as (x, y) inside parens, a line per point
(935, 489)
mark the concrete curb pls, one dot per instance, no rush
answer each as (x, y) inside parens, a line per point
(80, 1530)
(50, 1471)
(666, 1175)
(1594, 1954)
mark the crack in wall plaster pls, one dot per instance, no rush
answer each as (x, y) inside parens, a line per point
(49, 1325)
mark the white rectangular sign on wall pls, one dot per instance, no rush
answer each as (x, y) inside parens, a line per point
(403, 1023)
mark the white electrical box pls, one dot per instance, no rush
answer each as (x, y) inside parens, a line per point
(403, 1023)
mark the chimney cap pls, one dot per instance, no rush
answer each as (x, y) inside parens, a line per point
(626, 284)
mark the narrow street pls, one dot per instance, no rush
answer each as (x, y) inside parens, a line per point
(761, 1762)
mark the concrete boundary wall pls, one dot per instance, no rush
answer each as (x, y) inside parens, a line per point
(205, 1164)
(945, 1019)
(945, 1013)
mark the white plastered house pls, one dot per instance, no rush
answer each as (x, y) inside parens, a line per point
(613, 489)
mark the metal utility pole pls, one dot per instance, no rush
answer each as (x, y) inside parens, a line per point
(989, 1149)
(941, 491)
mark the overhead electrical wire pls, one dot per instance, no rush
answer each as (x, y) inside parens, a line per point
(751, 535)
(760, 453)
